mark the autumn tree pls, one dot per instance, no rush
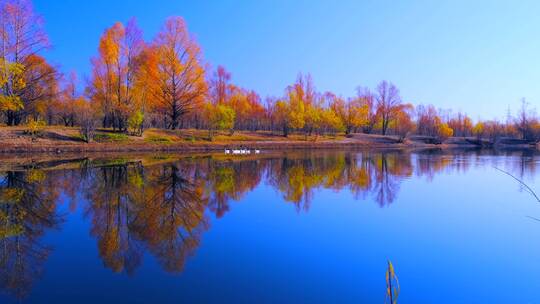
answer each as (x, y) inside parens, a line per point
(220, 86)
(289, 114)
(270, 113)
(330, 122)
(427, 120)
(218, 117)
(66, 101)
(113, 83)
(403, 123)
(41, 89)
(291, 111)
(177, 75)
(247, 107)
(366, 99)
(249, 112)
(430, 123)
(12, 81)
(478, 130)
(461, 124)
(22, 39)
(313, 117)
(353, 113)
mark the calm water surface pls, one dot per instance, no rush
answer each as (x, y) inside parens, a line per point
(299, 227)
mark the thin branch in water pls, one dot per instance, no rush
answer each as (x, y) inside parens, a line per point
(521, 182)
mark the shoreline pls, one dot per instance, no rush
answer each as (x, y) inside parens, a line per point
(198, 147)
(64, 140)
(219, 147)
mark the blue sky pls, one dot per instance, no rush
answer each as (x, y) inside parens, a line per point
(476, 57)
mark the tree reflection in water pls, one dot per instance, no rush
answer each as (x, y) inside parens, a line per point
(113, 195)
(27, 211)
(164, 209)
(160, 208)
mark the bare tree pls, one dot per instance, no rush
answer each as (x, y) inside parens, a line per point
(388, 103)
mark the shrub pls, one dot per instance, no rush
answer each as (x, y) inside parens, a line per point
(135, 123)
(218, 117)
(110, 137)
(35, 127)
(88, 118)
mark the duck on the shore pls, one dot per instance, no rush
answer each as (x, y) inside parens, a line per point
(241, 150)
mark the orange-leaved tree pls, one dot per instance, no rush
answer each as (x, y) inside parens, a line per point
(176, 73)
(114, 73)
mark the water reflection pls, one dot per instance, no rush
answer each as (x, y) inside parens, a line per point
(27, 210)
(160, 208)
(163, 207)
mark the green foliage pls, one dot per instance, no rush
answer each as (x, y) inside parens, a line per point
(224, 118)
(219, 117)
(110, 137)
(158, 139)
(135, 123)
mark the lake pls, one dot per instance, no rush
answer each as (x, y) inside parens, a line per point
(291, 227)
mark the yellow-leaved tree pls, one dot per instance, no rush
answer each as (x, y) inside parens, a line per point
(353, 113)
(12, 80)
(218, 117)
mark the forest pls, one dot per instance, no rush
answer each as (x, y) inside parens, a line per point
(165, 83)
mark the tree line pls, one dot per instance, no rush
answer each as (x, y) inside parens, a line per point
(165, 83)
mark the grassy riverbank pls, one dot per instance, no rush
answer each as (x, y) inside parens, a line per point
(65, 139)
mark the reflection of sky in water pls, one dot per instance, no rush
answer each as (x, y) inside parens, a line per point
(456, 231)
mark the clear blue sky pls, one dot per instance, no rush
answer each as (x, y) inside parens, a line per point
(476, 57)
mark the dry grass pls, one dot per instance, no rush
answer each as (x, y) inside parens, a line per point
(193, 135)
(66, 139)
(70, 135)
